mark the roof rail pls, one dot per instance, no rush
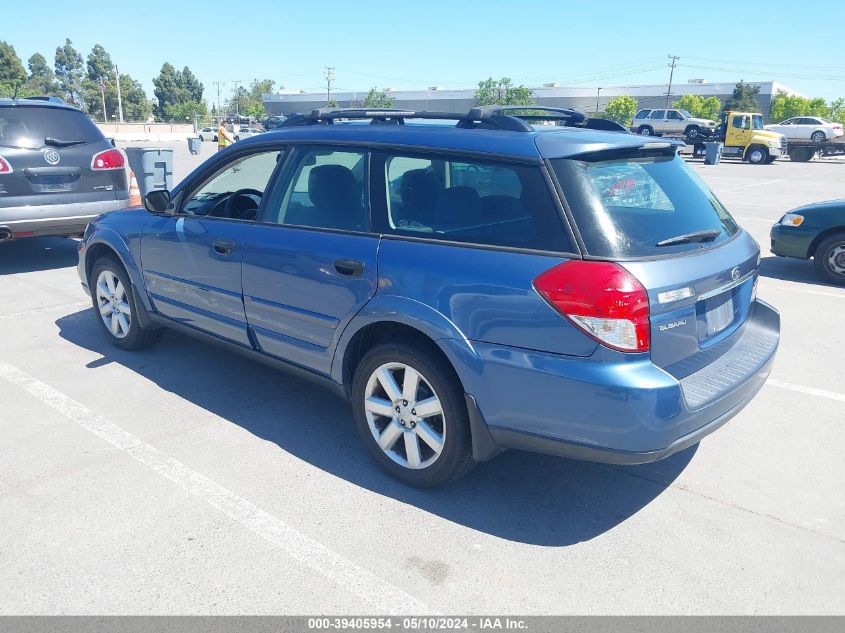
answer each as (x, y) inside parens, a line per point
(509, 118)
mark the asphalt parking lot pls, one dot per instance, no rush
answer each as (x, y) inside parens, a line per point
(184, 479)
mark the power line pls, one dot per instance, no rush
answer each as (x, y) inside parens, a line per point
(674, 59)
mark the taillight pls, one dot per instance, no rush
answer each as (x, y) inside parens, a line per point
(601, 298)
(5, 167)
(109, 159)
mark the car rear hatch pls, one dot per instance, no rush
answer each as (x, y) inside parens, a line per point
(56, 155)
(647, 211)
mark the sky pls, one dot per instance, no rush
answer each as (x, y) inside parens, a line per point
(453, 44)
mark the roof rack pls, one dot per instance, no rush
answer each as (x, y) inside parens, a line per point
(510, 118)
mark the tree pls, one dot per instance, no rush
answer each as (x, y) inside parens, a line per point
(69, 71)
(502, 92)
(786, 106)
(42, 79)
(249, 101)
(836, 110)
(186, 111)
(378, 99)
(700, 107)
(742, 98)
(190, 84)
(12, 73)
(621, 109)
(173, 89)
(99, 64)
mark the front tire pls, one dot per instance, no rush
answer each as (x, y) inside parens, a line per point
(692, 133)
(410, 411)
(829, 259)
(202, 140)
(114, 306)
(757, 155)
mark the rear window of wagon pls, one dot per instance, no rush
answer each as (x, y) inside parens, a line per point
(625, 205)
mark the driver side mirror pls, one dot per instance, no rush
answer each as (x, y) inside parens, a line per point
(157, 201)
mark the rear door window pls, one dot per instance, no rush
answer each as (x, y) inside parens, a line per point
(456, 199)
(624, 207)
(658, 114)
(29, 126)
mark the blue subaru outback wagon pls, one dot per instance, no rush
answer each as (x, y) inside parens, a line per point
(471, 285)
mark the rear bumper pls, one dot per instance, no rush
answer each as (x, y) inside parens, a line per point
(624, 413)
(56, 219)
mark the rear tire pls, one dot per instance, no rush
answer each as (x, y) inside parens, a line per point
(829, 259)
(645, 130)
(800, 154)
(818, 137)
(757, 155)
(214, 139)
(114, 303)
(420, 448)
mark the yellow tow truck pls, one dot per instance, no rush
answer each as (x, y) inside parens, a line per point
(744, 137)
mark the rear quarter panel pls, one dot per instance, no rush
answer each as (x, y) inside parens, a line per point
(486, 294)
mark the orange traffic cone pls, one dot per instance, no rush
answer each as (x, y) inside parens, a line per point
(134, 191)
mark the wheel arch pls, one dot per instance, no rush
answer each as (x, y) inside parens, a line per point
(394, 317)
(818, 239)
(108, 243)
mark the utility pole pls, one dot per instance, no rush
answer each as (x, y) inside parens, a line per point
(674, 59)
(103, 97)
(219, 84)
(119, 98)
(598, 90)
(329, 79)
(237, 99)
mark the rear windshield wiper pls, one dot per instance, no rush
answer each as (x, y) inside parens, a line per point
(59, 142)
(707, 235)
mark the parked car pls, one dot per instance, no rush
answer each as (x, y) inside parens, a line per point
(246, 132)
(208, 134)
(677, 122)
(806, 128)
(57, 170)
(429, 274)
(818, 231)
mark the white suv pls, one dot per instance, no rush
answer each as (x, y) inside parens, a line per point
(674, 122)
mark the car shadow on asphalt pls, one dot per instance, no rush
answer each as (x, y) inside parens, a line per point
(518, 496)
(37, 253)
(792, 269)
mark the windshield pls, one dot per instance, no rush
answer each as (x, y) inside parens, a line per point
(29, 126)
(686, 114)
(623, 207)
(757, 121)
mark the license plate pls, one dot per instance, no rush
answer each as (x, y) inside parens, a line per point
(720, 317)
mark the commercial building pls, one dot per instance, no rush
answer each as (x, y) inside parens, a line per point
(584, 99)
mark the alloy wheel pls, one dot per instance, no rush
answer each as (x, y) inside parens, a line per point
(113, 304)
(836, 259)
(405, 415)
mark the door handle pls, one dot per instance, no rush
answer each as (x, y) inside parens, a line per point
(349, 267)
(223, 247)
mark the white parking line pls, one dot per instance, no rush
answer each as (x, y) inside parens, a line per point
(60, 308)
(744, 186)
(771, 286)
(821, 393)
(374, 591)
